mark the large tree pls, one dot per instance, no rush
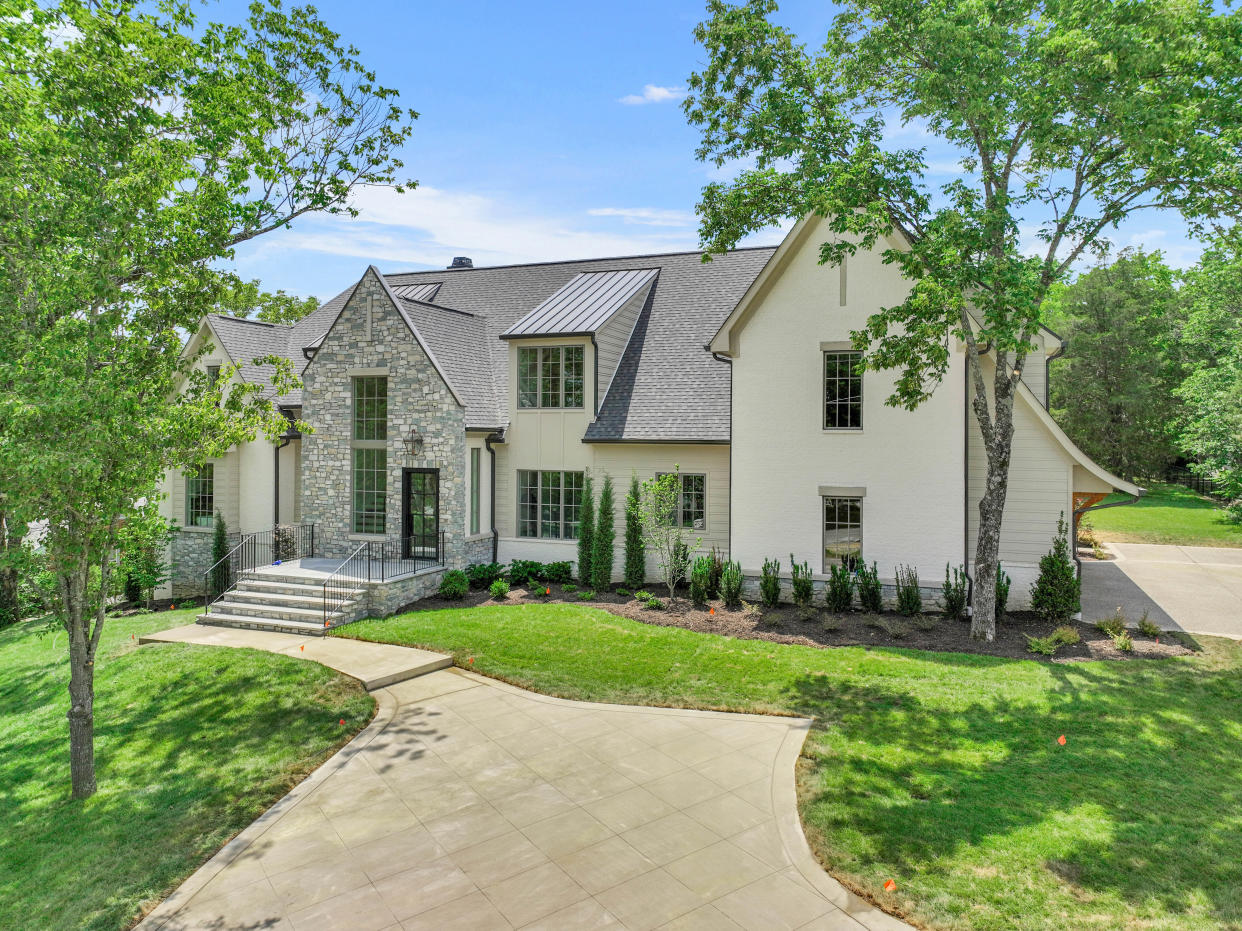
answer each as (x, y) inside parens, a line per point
(141, 146)
(1067, 117)
(1112, 391)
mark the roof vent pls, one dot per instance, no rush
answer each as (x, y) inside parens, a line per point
(462, 261)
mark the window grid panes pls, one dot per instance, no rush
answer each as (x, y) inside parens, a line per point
(200, 496)
(370, 489)
(475, 458)
(549, 504)
(842, 531)
(371, 408)
(551, 377)
(842, 390)
(692, 502)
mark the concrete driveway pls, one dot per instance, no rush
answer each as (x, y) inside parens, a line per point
(1197, 589)
(468, 803)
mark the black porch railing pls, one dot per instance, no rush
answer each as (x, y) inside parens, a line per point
(380, 561)
(281, 544)
(340, 586)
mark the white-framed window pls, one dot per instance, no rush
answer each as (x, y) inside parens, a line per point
(370, 407)
(692, 501)
(476, 459)
(549, 504)
(200, 496)
(842, 531)
(842, 390)
(370, 453)
(551, 376)
(370, 489)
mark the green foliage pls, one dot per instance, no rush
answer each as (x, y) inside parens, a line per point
(1123, 642)
(731, 584)
(803, 588)
(1147, 627)
(681, 563)
(526, 572)
(499, 589)
(602, 552)
(586, 596)
(569, 587)
(700, 580)
(662, 535)
(909, 594)
(870, 591)
(635, 552)
(623, 592)
(654, 603)
(839, 595)
(1112, 390)
(1113, 626)
(953, 593)
(717, 564)
(454, 585)
(586, 530)
(133, 590)
(1003, 583)
(1055, 593)
(643, 595)
(483, 574)
(770, 583)
(143, 543)
(221, 570)
(1048, 646)
(1067, 635)
(558, 573)
(246, 299)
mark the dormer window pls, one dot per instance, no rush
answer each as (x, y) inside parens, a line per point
(550, 377)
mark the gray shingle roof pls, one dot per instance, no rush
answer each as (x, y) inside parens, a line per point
(667, 387)
(583, 304)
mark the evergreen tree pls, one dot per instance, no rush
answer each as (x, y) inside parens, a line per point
(220, 576)
(602, 553)
(635, 551)
(1055, 595)
(586, 531)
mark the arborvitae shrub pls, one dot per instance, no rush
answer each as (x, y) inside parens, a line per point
(770, 583)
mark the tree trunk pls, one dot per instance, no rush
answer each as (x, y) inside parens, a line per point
(10, 540)
(81, 685)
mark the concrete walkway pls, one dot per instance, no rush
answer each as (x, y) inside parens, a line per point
(1197, 589)
(468, 803)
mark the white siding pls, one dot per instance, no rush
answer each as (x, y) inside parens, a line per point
(614, 336)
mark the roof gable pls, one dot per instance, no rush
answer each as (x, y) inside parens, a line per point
(583, 304)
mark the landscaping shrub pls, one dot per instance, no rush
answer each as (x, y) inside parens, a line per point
(924, 622)
(909, 596)
(1048, 646)
(454, 585)
(499, 589)
(602, 553)
(635, 550)
(953, 593)
(731, 584)
(483, 574)
(700, 580)
(623, 592)
(143, 543)
(586, 596)
(1112, 626)
(1055, 595)
(1002, 590)
(1147, 627)
(681, 563)
(526, 572)
(832, 623)
(803, 588)
(568, 587)
(643, 595)
(1067, 635)
(839, 595)
(770, 583)
(1123, 642)
(713, 583)
(133, 589)
(870, 593)
(558, 573)
(222, 572)
(894, 628)
(654, 603)
(586, 531)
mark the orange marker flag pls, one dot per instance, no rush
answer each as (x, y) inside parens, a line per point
(1061, 740)
(470, 661)
(547, 591)
(711, 611)
(302, 647)
(342, 722)
(889, 885)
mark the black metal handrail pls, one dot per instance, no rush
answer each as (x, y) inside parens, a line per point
(281, 544)
(391, 558)
(345, 580)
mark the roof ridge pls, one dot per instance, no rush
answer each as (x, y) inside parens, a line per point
(250, 320)
(601, 258)
(453, 310)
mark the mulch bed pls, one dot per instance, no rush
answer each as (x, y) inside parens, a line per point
(818, 627)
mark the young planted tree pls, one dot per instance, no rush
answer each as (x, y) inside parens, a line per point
(635, 552)
(662, 533)
(602, 553)
(586, 531)
(141, 146)
(143, 540)
(1067, 117)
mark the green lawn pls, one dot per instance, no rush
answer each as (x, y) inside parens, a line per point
(192, 744)
(942, 771)
(1167, 514)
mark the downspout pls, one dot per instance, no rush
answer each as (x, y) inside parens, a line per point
(595, 389)
(729, 530)
(488, 441)
(1060, 351)
(1096, 507)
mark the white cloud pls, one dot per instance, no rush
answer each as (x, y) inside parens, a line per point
(654, 93)
(646, 216)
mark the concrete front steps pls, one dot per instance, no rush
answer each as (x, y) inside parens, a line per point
(286, 604)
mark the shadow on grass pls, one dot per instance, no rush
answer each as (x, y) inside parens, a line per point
(1141, 802)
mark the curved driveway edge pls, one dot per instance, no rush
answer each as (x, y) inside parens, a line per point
(471, 803)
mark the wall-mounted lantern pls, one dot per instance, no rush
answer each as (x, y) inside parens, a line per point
(414, 443)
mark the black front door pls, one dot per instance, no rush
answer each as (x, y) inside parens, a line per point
(420, 512)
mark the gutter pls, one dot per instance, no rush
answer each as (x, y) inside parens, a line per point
(497, 437)
(729, 530)
(1096, 507)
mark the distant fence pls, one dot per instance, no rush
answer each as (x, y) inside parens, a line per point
(1204, 486)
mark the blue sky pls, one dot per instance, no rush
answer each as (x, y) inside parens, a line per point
(547, 130)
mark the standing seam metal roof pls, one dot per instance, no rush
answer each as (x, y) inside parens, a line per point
(584, 304)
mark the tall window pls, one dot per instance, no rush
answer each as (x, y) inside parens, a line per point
(213, 375)
(549, 504)
(842, 390)
(842, 531)
(370, 453)
(692, 502)
(475, 471)
(200, 496)
(550, 376)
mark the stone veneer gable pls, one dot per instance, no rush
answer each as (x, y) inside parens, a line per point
(417, 396)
